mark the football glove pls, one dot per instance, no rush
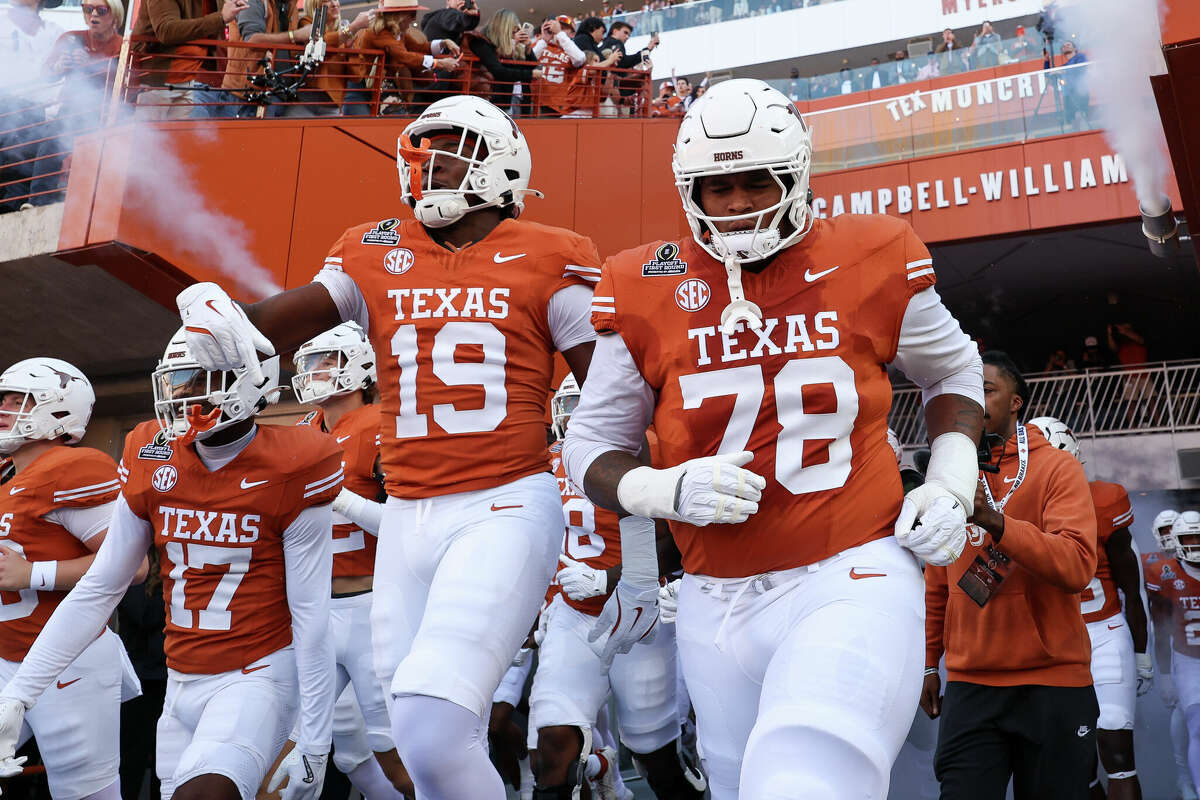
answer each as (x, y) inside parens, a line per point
(12, 715)
(629, 616)
(933, 525)
(700, 491)
(668, 601)
(1145, 673)
(304, 773)
(580, 581)
(219, 335)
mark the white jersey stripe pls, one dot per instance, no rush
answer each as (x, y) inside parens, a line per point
(921, 262)
(919, 273)
(577, 268)
(85, 491)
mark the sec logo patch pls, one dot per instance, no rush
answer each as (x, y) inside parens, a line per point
(165, 478)
(398, 261)
(692, 295)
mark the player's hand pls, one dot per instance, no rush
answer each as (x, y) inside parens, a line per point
(1166, 690)
(700, 491)
(580, 581)
(668, 601)
(629, 616)
(219, 335)
(933, 525)
(12, 715)
(1145, 673)
(15, 571)
(931, 695)
(304, 773)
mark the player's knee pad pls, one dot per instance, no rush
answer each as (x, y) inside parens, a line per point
(347, 761)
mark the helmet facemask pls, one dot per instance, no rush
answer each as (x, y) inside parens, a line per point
(190, 402)
(562, 406)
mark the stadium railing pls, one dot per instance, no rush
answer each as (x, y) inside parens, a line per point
(706, 12)
(1162, 397)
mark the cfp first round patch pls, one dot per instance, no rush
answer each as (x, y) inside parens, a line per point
(165, 478)
(398, 261)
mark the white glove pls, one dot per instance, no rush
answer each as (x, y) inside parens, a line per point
(933, 525)
(219, 335)
(668, 601)
(580, 581)
(305, 774)
(539, 633)
(12, 714)
(1166, 690)
(1145, 672)
(629, 616)
(700, 491)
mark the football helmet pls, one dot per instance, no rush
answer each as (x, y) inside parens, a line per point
(1058, 435)
(223, 398)
(1162, 529)
(744, 125)
(1186, 533)
(56, 400)
(563, 405)
(338, 361)
(490, 145)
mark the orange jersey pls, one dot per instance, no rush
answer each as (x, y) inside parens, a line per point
(1167, 582)
(808, 394)
(1113, 512)
(464, 348)
(593, 535)
(563, 86)
(219, 537)
(357, 434)
(61, 478)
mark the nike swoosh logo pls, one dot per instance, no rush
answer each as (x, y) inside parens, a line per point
(811, 276)
(209, 303)
(1114, 627)
(855, 575)
(251, 484)
(499, 259)
(62, 685)
(248, 670)
(1009, 480)
(341, 439)
(17, 489)
(501, 508)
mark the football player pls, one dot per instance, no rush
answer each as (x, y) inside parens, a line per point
(1173, 585)
(466, 303)
(572, 681)
(240, 517)
(335, 371)
(1122, 668)
(54, 510)
(758, 351)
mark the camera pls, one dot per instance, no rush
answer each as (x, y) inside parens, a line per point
(1048, 21)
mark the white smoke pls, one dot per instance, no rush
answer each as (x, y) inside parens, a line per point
(1121, 40)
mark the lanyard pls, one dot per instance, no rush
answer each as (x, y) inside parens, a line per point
(1022, 467)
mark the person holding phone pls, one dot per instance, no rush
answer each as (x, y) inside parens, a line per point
(499, 45)
(618, 34)
(451, 22)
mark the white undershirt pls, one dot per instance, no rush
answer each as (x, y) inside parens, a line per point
(216, 456)
(618, 404)
(568, 313)
(83, 522)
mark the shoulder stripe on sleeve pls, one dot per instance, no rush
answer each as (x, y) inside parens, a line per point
(87, 491)
(578, 268)
(333, 259)
(603, 309)
(919, 273)
(601, 299)
(587, 273)
(920, 262)
(1122, 519)
(316, 487)
(1154, 587)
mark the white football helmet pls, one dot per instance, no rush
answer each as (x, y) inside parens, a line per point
(180, 384)
(743, 125)
(563, 405)
(1058, 434)
(1186, 533)
(1162, 529)
(56, 400)
(489, 143)
(338, 361)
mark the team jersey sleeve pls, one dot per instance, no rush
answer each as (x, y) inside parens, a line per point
(1120, 510)
(604, 302)
(89, 479)
(346, 294)
(933, 352)
(83, 523)
(918, 264)
(128, 472)
(582, 264)
(320, 481)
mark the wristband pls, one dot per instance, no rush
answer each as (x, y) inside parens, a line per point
(292, 37)
(42, 575)
(931, 670)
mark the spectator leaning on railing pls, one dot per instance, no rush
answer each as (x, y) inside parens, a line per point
(503, 38)
(405, 53)
(324, 89)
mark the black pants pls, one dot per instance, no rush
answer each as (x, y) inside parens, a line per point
(1043, 737)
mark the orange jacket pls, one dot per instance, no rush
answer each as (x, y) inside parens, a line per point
(1030, 631)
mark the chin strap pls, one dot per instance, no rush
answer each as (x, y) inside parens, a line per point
(739, 309)
(198, 422)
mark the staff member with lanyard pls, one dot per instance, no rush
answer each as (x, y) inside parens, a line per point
(1019, 701)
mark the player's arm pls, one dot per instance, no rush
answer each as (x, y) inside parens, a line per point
(935, 354)
(366, 514)
(1127, 574)
(76, 621)
(936, 595)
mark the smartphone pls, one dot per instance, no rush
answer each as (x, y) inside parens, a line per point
(645, 57)
(527, 27)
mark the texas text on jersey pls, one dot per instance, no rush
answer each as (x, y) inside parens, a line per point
(593, 535)
(220, 543)
(64, 477)
(1167, 580)
(1099, 600)
(357, 434)
(464, 348)
(831, 320)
